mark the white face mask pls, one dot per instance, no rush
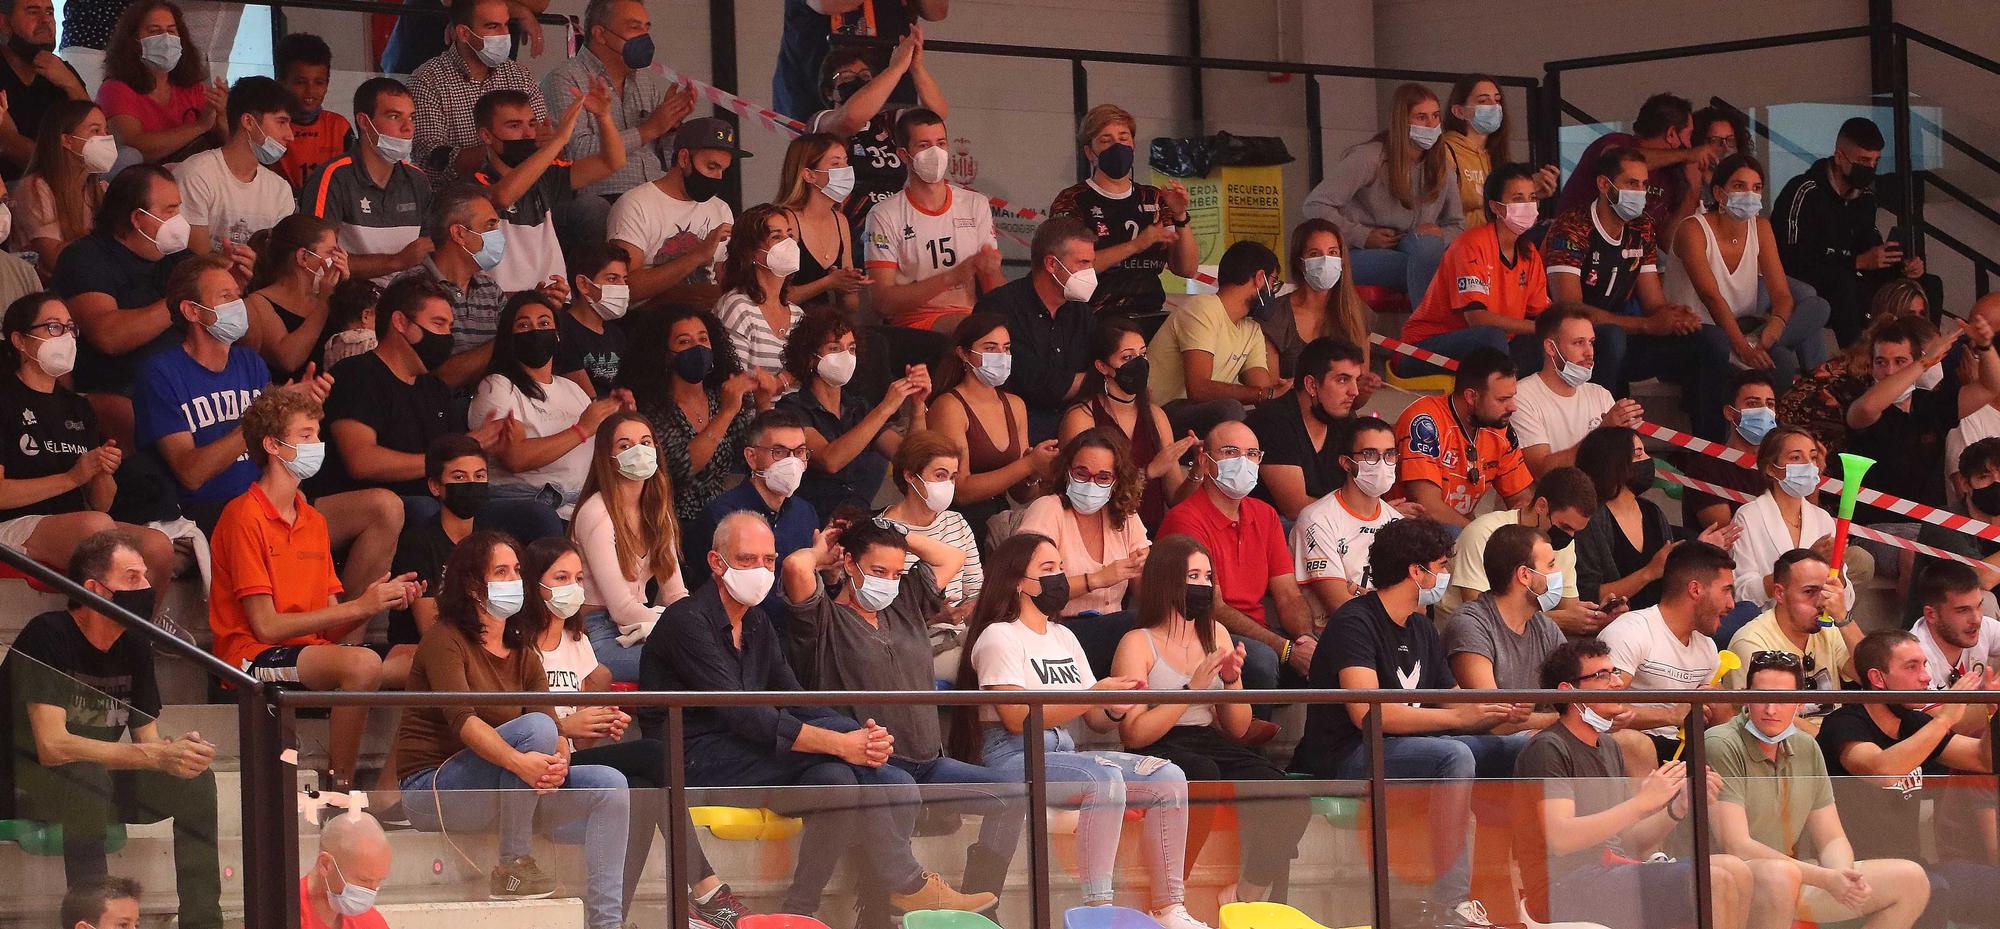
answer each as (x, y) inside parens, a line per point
(994, 368)
(1932, 376)
(1236, 477)
(492, 50)
(748, 586)
(172, 235)
(1547, 599)
(99, 153)
(839, 183)
(836, 367)
(1080, 285)
(563, 601)
(1571, 373)
(613, 300)
(1376, 479)
(876, 593)
(504, 598)
(929, 164)
(938, 494)
(783, 477)
(782, 259)
(1800, 480)
(1322, 272)
(639, 463)
(57, 356)
(1425, 136)
(1087, 497)
(1595, 720)
(162, 51)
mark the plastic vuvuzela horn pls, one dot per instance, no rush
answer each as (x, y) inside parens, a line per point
(1852, 468)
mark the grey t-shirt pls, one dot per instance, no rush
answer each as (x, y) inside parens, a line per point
(1517, 658)
(833, 648)
(1563, 767)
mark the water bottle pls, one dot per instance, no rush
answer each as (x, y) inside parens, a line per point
(239, 232)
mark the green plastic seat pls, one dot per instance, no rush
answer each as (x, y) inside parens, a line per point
(946, 919)
(1340, 812)
(46, 839)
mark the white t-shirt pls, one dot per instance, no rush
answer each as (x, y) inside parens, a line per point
(1986, 649)
(1012, 655)
(1331, 541)
(663, 228)
(212, 196)
(1643, 647)
(534, 254)
(567, 666)
(1468, 560)
(1984, 423)
(920, 244)
(562, 404)
(1543, 418)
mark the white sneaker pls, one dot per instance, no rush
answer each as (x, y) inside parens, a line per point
(1177, 917)
(1471, 913)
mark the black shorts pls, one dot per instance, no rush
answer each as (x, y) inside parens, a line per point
(1667, 747)
(279, 664)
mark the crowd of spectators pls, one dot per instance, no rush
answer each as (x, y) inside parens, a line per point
(483, 386)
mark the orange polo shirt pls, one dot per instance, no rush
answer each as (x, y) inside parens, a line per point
(254, 551)
(1433, 448)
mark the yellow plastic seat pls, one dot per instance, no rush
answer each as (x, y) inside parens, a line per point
(743, 823)
(1426, 383)
(1268, 916)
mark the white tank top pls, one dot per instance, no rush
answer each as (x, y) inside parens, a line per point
(1164, 676)
(1738, 288)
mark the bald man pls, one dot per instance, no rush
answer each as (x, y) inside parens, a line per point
(339, 891)
(1247, 543)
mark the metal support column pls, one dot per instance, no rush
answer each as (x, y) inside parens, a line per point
(1697, 791)
(1315, 144)
(270, 817)
(1908, 213)
(1041, 910)
(677, 813)
(1378, 816)
(722, 68)
(1079, 104)
(1195, 106)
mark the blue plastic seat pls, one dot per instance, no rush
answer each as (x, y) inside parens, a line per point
(1107, 917)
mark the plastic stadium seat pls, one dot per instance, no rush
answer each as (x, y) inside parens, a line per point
(946, 919)
(1340, 812)
(1431, 383)
(1529, 922)
(1267, 916)
(1383, 299)
(779, 921)
(1107, 917)
(39, 838)
(7, 572)
(743, 823)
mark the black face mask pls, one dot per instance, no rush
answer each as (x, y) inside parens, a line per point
(137, 602)
(26, 50)
(1987, 498)
(1115, 161)
(700, 187)
(514, 151)
(465, 498)
(1054, 595)
(1319, 412)
(845, 88)
(432, 348)
(1200, 601)
(1861, 177)
(1559, 538)
(535, 347)
(1131, 377)
(1640, 478)
(1264, 303)
(693, 363)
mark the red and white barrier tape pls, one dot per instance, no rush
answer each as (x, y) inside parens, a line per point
(742, 107)
(1859, 531)
(1420, 354)
(1000, 203)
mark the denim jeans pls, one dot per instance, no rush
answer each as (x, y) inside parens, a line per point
(1100, 784)
(644, 764)
(877, 821)
(1408, 267)
(621, 660)
(526, 519)
(549, 496)
(1000, 821)
(1447, 764)
(468, 793)
(1801, 348)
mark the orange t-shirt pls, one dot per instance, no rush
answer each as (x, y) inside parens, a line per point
(312, 146)
(1473, 275)
(1433, 448)
(254, 551)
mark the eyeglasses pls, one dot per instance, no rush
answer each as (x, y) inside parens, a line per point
(53, 329)
(1371, 456)
(1230, 451)
(1607, 676)
(1100, 478)
(780, 452)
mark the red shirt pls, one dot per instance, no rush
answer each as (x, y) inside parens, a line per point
(369, 920)
(1247, 552)
(312, 146)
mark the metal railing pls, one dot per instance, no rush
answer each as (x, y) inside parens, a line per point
(1041, 907)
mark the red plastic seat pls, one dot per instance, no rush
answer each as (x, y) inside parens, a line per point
(7, 572)
(1383, 299)
(779, 921)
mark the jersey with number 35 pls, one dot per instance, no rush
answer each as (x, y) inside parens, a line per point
(920, 244)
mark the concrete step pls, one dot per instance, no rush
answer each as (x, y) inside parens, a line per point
(491, 914)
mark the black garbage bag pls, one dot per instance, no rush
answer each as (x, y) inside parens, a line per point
(1196, 157)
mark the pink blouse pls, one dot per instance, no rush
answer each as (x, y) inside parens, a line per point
(183, 105)
(1048, 516)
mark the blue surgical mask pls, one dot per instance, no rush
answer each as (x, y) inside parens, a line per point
(1434, 594)
(391, 149)
(1753, 423)
(353, 899)
(232, 321)
(492, 248)
(1800, 480)
(1236, 476)
(305, 464)
(504, 598)
(1087, 497)
(1486, 118)
(1751, 727)
(1744, 204)
(1629, 204)
(1425, 136)
(876, 593)
(492, 50)
(269, 150)
(1547, 599)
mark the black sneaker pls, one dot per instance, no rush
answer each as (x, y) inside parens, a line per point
(722, 910)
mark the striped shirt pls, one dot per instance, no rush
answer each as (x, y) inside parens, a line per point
(756, 345)
(475, 310)
(444, 93)
(951, 528)
(643, 92)
(368, 219)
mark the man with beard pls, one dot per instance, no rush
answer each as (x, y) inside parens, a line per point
(1457, 446)
(33, 80)
(1671, 647)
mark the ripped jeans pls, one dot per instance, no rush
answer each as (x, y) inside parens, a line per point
(1100, 785)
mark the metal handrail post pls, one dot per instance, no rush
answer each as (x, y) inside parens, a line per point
(1378, 815)
(1697, 790)
(1041, 908)
(677, 813)
(1906, 196)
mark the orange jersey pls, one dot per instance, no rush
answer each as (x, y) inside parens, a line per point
(1433, 448)
(254, 551)
(1473, 275)
(312, 146)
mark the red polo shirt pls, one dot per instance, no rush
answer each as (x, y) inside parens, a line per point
(1247, 551)
(369, 920)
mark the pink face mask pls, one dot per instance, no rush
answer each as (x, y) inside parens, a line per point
(1519, 216)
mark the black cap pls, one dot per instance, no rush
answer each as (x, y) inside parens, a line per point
(705, 133)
